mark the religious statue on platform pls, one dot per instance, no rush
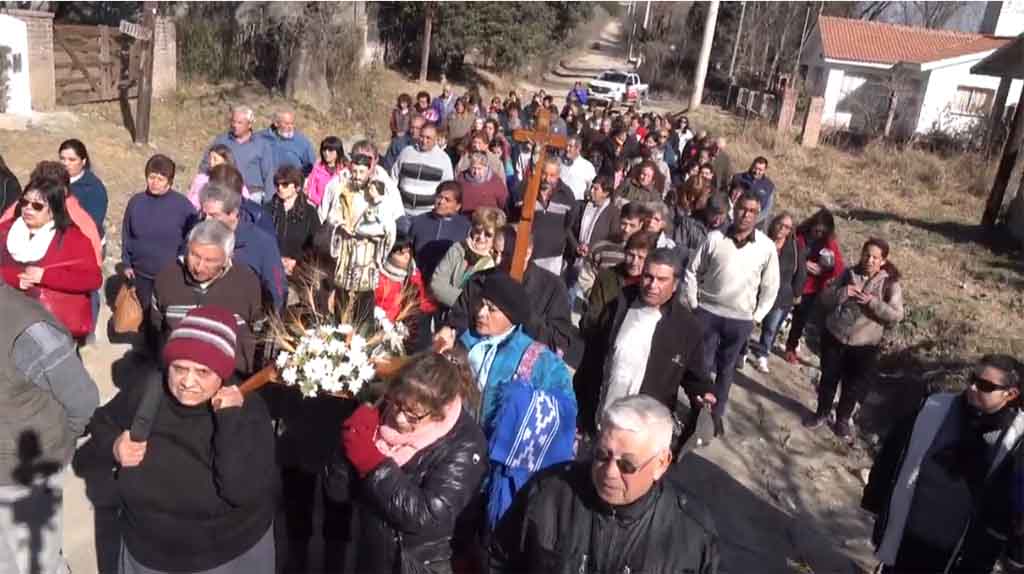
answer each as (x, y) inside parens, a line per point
(362, 228)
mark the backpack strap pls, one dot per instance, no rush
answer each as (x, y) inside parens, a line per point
(525, 369)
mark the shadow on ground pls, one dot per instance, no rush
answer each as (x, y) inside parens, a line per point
(755, 536)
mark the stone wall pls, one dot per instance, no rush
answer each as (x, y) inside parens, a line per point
(40, 56)
(165, 59)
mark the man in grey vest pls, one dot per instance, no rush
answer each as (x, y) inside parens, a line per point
(46, 400)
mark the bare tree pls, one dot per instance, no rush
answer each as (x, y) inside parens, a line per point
(428, 24)
(932, 15)
(870, 10)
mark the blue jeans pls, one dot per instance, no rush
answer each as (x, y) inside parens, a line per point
(770, 329)
(724, 338)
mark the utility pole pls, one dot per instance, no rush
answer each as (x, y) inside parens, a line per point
(647, 15)
(803, 40)
(701, 73)
(631, 20)
(736, 45)
(145, 104)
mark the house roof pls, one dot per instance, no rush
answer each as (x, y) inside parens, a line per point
(1007, 62)
(882, 43)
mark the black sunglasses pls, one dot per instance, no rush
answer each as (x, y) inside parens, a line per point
(603, 457)
(35, 205)
(987, 386)
(409, 417)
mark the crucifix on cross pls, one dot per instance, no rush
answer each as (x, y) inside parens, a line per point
(543, 137)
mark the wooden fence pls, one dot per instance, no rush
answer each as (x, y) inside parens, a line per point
(94, 64)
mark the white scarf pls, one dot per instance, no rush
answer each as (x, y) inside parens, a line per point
(26, 246)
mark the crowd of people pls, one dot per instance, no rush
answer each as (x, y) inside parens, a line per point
(526, 411)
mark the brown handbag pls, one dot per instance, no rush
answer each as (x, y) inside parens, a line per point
(127, 311)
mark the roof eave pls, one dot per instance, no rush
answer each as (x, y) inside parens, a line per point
(874, 65)
(955, 60)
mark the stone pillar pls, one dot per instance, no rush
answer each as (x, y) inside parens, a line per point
(40, 57)
(812, 125)
(165, 58)
(788, 110)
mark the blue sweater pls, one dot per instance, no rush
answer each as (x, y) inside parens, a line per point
(258, 215)
(153, 230)
(297, 151)
(258, 250)
(432, 236)
(254, 158)
(92, 195)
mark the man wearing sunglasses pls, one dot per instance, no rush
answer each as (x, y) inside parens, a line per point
(946, 486)
(613, 513)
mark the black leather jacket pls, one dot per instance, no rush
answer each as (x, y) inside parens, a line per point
(422, 508)
(558, 525)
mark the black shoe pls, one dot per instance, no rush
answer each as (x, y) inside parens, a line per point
(719, 425)
(814, 421)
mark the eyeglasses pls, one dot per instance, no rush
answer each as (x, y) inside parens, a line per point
(409, 416)
(35, 205)
(603, 457)
(986, 386)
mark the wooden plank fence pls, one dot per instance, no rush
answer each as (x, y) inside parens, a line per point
(94, 64)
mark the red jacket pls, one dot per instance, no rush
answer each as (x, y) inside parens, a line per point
(816, 283)
(388, 295)
(69, 264)
(491, 193)
(79, 216)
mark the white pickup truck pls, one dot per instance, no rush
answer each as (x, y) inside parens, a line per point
(616, 87)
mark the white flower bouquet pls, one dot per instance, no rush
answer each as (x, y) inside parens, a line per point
(336, 359)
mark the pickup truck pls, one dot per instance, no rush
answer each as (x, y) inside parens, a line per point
(616, 87)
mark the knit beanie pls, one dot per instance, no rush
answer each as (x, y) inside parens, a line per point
(208, 336)
(508, 295)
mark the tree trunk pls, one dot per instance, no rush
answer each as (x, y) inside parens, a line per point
(428, 23)
(307, 76)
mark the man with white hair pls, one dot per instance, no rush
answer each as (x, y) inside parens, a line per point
(206, 276)
(253, 157)
(614, 513)
(288, 145)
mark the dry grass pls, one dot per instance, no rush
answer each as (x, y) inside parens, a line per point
(962, 299)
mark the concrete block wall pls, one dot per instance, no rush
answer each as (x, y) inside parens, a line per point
(40, 56)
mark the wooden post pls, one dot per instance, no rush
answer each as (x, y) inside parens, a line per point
(996, 115)
(1012, 149)
(542, 137)
(145, 104)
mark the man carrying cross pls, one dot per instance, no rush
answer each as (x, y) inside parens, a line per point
(546, 205)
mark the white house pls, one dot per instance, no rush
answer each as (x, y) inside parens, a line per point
(14, 38)
(860, 66)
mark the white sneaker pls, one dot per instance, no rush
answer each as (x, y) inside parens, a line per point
(761, 364)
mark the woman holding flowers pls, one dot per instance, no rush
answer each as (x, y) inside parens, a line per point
(412, 465)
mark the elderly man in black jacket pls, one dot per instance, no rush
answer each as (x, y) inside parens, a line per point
(615, 513)
(646, 342)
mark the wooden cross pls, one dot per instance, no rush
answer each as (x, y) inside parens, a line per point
(541, 136)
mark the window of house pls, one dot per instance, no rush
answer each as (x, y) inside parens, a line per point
(973, 101)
